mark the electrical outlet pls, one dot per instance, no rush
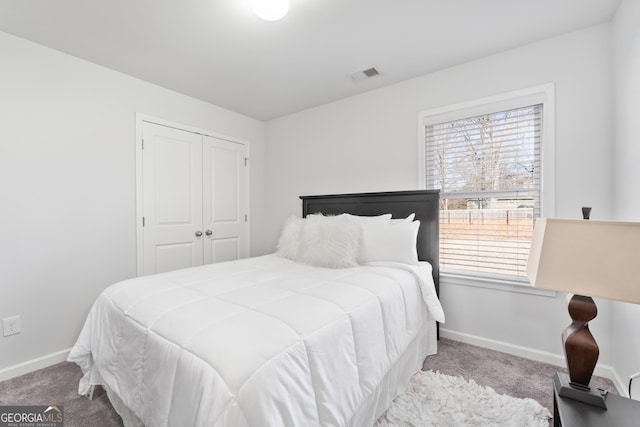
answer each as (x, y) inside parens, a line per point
(11, 325)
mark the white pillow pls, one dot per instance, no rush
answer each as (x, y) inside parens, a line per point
(289, 243)
(390, 242)
(330, 241)
(363, 219)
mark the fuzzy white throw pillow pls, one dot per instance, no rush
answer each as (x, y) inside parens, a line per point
(331, 242)
(289, 243)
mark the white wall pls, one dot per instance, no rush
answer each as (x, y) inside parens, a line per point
(67, 186)
(626, 174)
(369, 143)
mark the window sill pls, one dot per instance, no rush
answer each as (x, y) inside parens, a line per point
(496, 284)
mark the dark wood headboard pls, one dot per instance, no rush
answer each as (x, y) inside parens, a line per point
(400, 204)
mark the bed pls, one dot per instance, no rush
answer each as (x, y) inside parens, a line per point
(274, 340)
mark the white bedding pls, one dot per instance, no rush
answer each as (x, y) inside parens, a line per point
(260, 342)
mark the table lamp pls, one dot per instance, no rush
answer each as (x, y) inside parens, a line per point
(587, 259)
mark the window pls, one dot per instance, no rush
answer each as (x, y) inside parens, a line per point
(486, 159)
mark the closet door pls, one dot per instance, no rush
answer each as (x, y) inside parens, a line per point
(224, 201)
(172, 199)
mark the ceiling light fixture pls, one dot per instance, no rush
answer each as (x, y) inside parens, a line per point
(270, 10)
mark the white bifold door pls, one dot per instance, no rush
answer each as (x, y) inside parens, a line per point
(194, 199)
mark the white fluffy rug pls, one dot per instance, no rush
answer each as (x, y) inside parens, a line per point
(434, 399)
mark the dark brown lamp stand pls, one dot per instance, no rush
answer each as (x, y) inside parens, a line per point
(581, 352)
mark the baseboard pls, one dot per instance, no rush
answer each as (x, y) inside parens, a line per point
(33, 365)
(532, 354)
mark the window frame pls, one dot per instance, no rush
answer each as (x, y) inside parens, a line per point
(543, 94)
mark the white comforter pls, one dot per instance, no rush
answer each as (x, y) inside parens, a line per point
(260, 342)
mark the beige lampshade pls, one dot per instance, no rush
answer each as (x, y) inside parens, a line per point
(586, 257)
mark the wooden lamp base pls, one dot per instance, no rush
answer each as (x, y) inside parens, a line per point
(581, 353)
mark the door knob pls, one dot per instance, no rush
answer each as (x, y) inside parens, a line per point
(208, 232)
(198, 233)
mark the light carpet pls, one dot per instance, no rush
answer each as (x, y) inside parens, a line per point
(435, 399)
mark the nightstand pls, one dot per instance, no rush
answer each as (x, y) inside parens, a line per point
(620, 412)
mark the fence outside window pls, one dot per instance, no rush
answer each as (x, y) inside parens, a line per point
(491, 241)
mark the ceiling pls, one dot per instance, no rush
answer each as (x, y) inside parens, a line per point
(219, 52)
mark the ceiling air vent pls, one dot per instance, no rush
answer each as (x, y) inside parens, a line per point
(362, 75)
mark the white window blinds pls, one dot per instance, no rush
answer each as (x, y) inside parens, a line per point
(488, 170)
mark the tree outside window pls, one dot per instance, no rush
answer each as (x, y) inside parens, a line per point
(488, 170)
